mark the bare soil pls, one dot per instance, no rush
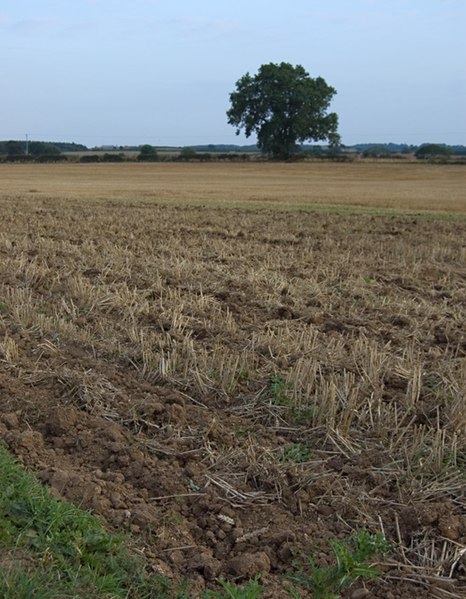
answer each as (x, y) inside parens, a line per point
(236, 387)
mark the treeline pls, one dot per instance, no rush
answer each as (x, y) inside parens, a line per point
(148, 153)
(37, 148)
(40, 151)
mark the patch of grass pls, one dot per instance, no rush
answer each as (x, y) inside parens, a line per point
(250, 590)
(352, 558)
(57, 550)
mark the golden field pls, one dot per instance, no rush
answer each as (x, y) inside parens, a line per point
(241, 363)
(388, 185)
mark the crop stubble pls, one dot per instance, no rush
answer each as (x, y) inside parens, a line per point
(240, 385)
(393, 185)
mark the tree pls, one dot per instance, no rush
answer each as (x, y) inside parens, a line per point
(14, 148)
(187, 154)
(283, 106)
(433, 151)
(42, 148)
(148, 154)
(376, 151)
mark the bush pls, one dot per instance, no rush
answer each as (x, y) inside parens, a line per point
(51, 158)
(89, 158)
(19, 158)
(113, 157)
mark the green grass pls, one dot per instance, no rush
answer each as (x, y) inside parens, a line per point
(50, 548)
(250, 590)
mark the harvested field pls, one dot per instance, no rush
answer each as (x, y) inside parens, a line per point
(238, 384)
(385, 186)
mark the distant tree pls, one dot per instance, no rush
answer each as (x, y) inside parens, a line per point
(42, 148)
(284, 107)
(376, 151)
(148, 153)
(14, 148)
(187, 154)
(433, 151)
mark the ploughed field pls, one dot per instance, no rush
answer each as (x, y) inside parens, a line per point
(239, 379)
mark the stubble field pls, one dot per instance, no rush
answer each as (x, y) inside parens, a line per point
(241, 363)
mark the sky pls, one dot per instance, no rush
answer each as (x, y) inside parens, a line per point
(120, 72)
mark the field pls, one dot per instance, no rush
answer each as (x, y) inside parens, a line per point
(239, 364)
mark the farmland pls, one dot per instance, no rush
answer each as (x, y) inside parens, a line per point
(240, 363)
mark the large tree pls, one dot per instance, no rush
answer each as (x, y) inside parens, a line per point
(283, 106)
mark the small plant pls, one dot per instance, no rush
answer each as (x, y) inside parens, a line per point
(297, 452)
(368, 280)
(251, 590)
(303, 414)
(277, 390)
(352, 562)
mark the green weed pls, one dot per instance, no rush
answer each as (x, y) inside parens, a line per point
(352, 558)
(277, 390)
(296, 452)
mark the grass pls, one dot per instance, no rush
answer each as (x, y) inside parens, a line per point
(251, 590)
(55, 549)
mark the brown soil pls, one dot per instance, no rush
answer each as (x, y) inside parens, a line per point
(157, 362)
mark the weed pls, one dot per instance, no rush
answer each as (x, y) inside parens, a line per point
(251, 590)
(277, 390)
(351, 556)
(368, 280)
(297, 452)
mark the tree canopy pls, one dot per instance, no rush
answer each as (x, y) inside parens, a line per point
(283, 106)
(433, 150)
(148, 154)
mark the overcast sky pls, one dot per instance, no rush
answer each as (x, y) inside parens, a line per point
(160, 72)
